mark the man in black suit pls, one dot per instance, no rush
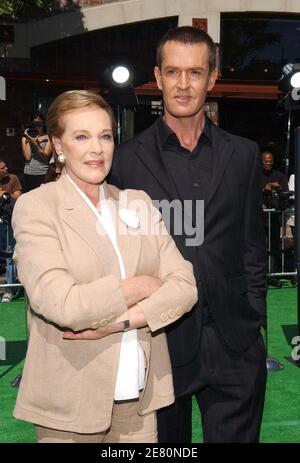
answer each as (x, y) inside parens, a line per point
(216, 350)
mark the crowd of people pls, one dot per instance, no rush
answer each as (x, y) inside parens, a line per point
(41, 166)
(128, 323)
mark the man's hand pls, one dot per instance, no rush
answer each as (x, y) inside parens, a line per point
(271, 186)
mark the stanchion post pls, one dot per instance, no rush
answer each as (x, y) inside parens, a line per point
(297, 215)
(295, 360)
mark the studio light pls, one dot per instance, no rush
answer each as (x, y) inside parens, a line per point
(295, 80)
(117, 82)
(290, 77)
(122, 76)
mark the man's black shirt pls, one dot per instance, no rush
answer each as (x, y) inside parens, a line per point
(192, 175)
(191, 170)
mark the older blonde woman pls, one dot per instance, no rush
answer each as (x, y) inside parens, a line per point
(101, 287)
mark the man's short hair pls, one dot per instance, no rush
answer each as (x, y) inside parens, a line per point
(264, 152)
(188, 35)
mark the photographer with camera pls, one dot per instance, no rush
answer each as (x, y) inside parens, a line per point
(10, 190)
(37, 151)
(274, 186)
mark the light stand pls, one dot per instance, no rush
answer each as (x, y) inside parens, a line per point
(294, 359)
(120, 79)
(271, 363)
(2, 88)
(119, 127)
(123, 101)
(297, 217)
(290, 85)
(286, 160)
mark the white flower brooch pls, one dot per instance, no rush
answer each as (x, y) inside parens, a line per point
(130, 218)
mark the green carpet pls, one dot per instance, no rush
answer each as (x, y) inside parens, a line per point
(281, 418)
(282, 410)
(12, 328)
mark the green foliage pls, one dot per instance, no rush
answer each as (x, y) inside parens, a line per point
(25, 8)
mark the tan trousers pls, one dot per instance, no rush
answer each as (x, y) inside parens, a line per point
(126, 427)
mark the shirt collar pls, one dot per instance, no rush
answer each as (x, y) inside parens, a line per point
(166, 134)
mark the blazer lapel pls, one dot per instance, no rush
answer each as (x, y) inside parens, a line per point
(150, 153)
(129, 239)
(222, 152)
(78, 216)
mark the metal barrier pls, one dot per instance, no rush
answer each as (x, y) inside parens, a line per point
(283, 216)
(15, 383)
(12, 285)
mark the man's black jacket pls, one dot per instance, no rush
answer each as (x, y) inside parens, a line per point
(231, 262)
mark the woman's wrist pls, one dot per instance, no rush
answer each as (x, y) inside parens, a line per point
(115, 328)
(126, 325)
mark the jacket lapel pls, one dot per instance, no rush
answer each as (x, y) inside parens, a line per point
(222, 152)
(129, 239)
(81, 219)
(150, 153)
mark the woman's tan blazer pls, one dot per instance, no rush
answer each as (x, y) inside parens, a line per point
(71, 274)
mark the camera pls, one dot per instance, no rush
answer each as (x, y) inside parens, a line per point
(32, 131)
(6, 207)
(278, 199)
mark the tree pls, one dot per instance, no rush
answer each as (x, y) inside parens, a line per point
(19, 9)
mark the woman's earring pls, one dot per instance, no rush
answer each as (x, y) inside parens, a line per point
(61, 158)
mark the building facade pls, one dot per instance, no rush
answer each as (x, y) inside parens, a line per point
(71, 48)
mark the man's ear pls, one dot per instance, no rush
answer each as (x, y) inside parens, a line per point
(57, 144)
(212, 79)
(157, 74)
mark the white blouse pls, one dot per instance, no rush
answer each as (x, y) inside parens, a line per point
(131, 371)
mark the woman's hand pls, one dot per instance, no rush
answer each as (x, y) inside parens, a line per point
(134, 290)
(30, 139)
(44, 153)
(136, 318)
(86, 334)
(137, 288)
(92, 335)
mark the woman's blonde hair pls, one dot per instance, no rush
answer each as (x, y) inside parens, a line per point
(73, 99)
